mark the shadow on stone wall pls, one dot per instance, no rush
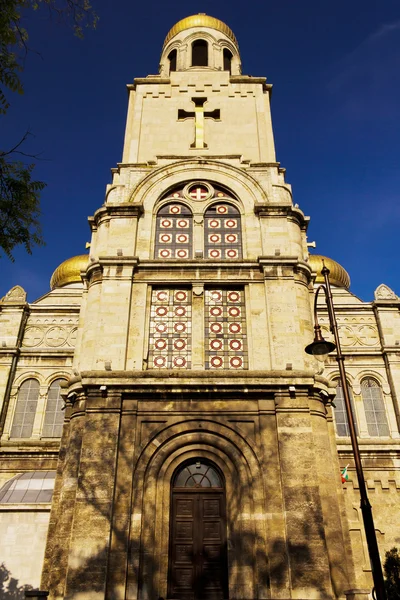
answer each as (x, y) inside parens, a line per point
(9, 586)
(308, 568)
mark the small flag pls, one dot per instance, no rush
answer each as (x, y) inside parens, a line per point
(344, 474)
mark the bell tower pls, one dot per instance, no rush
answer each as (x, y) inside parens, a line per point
(198, 458)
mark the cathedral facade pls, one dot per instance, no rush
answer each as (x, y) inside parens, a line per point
(163, 432)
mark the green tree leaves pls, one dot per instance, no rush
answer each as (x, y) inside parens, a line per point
(391, 567)
(19, 193)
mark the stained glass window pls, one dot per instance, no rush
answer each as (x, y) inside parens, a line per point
(374, 408)
(54, 417)
(174, 232)
(222, 232)
(198, 474)
(225, 329)
(170, 337)
(342, 423)
(25, 410)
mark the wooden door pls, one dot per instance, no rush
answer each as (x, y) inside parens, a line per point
(198, 560)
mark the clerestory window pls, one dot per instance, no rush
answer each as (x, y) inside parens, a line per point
(54, 416)
(374, 407)
(25, 410)
(342, 423)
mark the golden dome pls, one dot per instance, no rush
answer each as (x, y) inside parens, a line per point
(337, 276)
(200, 20)
(69, 271)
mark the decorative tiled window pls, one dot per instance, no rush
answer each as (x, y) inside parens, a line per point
(54, 416)
(25, 409)
(174, 232)
(222, 232)
(342, 423)
(170, 329)
(374, 408)
(225, 329)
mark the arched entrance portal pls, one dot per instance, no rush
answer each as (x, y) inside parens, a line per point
(197, 553)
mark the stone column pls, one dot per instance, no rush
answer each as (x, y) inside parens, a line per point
(91, 530)
(198, 327)
(304, 517)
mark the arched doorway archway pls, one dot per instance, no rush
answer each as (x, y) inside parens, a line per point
(197, 551)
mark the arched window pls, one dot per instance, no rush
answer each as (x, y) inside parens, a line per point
(199, 53)
(374, 408)
(25, 410)
(172, 60)
(342, 424)
(222, 230)
(197, 474)
(227, 60)
(174, 232)
(54, 416)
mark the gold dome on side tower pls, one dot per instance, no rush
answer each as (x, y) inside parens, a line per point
(338, 276)
(69, 271)
(200, 20)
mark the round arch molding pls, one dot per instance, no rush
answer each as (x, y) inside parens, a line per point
(243, 186)
(245, 503)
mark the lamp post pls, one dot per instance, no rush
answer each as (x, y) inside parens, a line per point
(320, 347)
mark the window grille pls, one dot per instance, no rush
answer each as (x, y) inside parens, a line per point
(342, 423)
(374, 408)
(222, 230)
(25, 409)
(225, 329)
(198, 474)
(174, 232)
(170, 329)
(54, 416)
(33, 487)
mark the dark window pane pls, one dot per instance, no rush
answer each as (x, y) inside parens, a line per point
(172, 60)
(227, 60)
(200, 53)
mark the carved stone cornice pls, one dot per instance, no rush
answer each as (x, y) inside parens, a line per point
(289, 211)
(114, 211)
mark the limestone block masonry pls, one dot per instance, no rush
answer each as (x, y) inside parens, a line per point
(201, 451)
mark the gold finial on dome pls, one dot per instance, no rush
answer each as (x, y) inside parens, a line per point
(69, 271)
(338, 276)
(200, 20)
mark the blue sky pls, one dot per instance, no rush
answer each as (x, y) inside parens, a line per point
(335, 67)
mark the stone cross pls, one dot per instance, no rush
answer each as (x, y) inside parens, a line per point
(199, 115)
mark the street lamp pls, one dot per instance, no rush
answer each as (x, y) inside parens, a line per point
(320, 347)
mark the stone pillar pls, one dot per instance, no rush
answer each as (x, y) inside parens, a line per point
(276, 549)
(121, 516)
(63, 504)
(327, 475)
(304, 518)
(198, 327)
(91, 530)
